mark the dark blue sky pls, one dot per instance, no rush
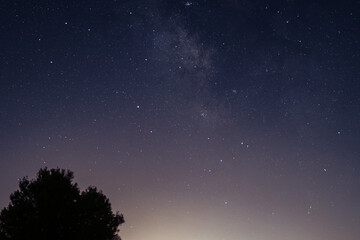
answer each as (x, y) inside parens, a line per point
(199, 119)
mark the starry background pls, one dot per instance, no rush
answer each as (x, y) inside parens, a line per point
(199, 120)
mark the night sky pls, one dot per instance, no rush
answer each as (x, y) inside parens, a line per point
(230, 120)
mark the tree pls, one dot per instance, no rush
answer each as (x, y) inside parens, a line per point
(52, 207)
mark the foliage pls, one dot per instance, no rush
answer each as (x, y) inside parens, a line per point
(52, 207)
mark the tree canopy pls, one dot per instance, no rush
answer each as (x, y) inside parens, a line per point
(52, 207)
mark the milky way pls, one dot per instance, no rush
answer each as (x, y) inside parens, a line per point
(198, 119)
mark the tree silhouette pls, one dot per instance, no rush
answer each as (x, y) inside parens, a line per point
(52, 207)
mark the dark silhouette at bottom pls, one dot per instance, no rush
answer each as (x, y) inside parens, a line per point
(51, 207)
